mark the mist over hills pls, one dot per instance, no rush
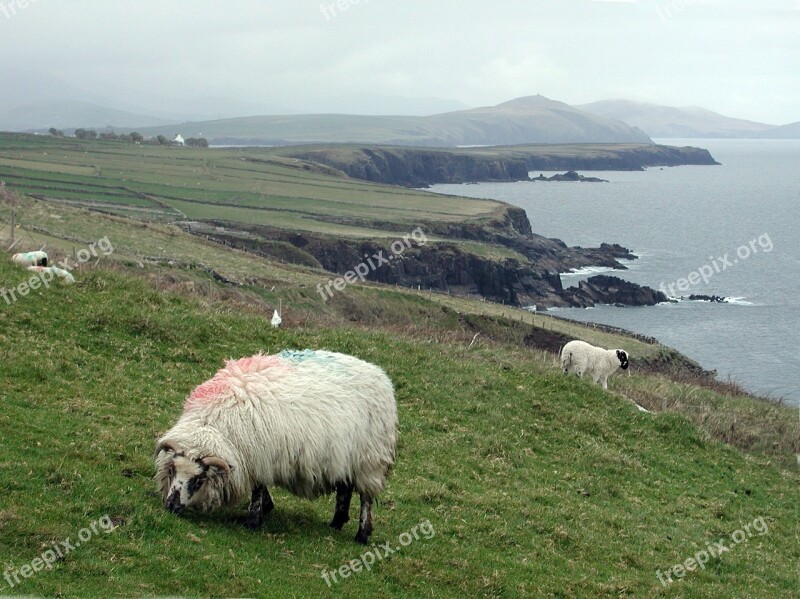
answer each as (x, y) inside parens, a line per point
(690, 121)
(70, 115)
(34, 103)
(533, 119)
(790, 131)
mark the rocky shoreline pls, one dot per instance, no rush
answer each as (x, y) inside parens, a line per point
(446, 266)
(423, 167)
(523, 269)
(569, 177)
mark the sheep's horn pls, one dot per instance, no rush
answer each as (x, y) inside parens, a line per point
(166, 446)
(218, 462)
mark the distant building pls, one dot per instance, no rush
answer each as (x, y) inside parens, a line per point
(179, 141)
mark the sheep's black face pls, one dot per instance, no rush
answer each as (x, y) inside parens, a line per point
(622, 356)
(190, 483)
(187, 485)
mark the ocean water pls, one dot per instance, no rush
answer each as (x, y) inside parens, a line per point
(737, 226)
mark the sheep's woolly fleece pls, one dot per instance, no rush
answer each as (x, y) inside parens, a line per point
(238, 375)
(303, 420)
(30, 259)
(581, 357)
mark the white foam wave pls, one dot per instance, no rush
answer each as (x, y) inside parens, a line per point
(738, 301)
(587, 270)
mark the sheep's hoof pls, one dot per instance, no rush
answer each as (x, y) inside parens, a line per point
(338, 522)
(362, 538)
(254, 522)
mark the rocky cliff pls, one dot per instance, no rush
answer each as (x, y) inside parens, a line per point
(532, 278)
(418, 167)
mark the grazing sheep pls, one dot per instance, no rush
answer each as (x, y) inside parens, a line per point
(312, 422)
(580, 357)
(30, 259)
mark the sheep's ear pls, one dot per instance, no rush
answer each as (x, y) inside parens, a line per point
(163, 477)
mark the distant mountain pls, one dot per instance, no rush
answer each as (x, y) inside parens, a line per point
(374, 105)
(790, 131)
(537, 119)
(534, 119)
(71, 114)
(670, 121)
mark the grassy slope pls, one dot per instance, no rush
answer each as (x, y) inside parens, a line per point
(250, 186)
(65, 228)
(187, 263)
(114, 338)
(536, 484)
(531, 118)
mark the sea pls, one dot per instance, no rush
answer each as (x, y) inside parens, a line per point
(731, 230)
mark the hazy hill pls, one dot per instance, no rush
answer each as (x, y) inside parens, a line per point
(525, 120)
(536, 119)
(790, 131)
(670, 121)
(70, 115)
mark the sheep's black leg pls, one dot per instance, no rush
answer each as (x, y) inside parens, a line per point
(364, 520)
(260, 505)
(344, 492)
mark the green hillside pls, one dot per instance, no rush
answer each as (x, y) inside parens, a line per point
(248, 186)
(534, 119)
(534, 483)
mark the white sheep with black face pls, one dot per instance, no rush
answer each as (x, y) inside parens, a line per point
(580, 357)
(30, 259)
(312, 422)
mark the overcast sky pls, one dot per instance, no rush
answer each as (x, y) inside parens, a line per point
(738, 57)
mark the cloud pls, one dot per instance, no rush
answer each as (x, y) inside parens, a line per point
(155, 54)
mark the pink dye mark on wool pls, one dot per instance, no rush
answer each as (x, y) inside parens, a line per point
(218, 387)
(209, 392)
(254, 364)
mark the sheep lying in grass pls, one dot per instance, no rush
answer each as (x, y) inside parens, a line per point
(581, 357)
(30, 259)
(312, 422)
(51, 272)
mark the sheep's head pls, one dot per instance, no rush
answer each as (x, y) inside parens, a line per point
(200, 483)
(622, 356)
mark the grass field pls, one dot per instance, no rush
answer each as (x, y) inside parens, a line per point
(534, 484)
(251, 186)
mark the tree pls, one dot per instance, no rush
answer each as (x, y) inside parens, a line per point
(195, 142)
(85, 134)
(136, 137)
(162, 140)
(56, 132)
